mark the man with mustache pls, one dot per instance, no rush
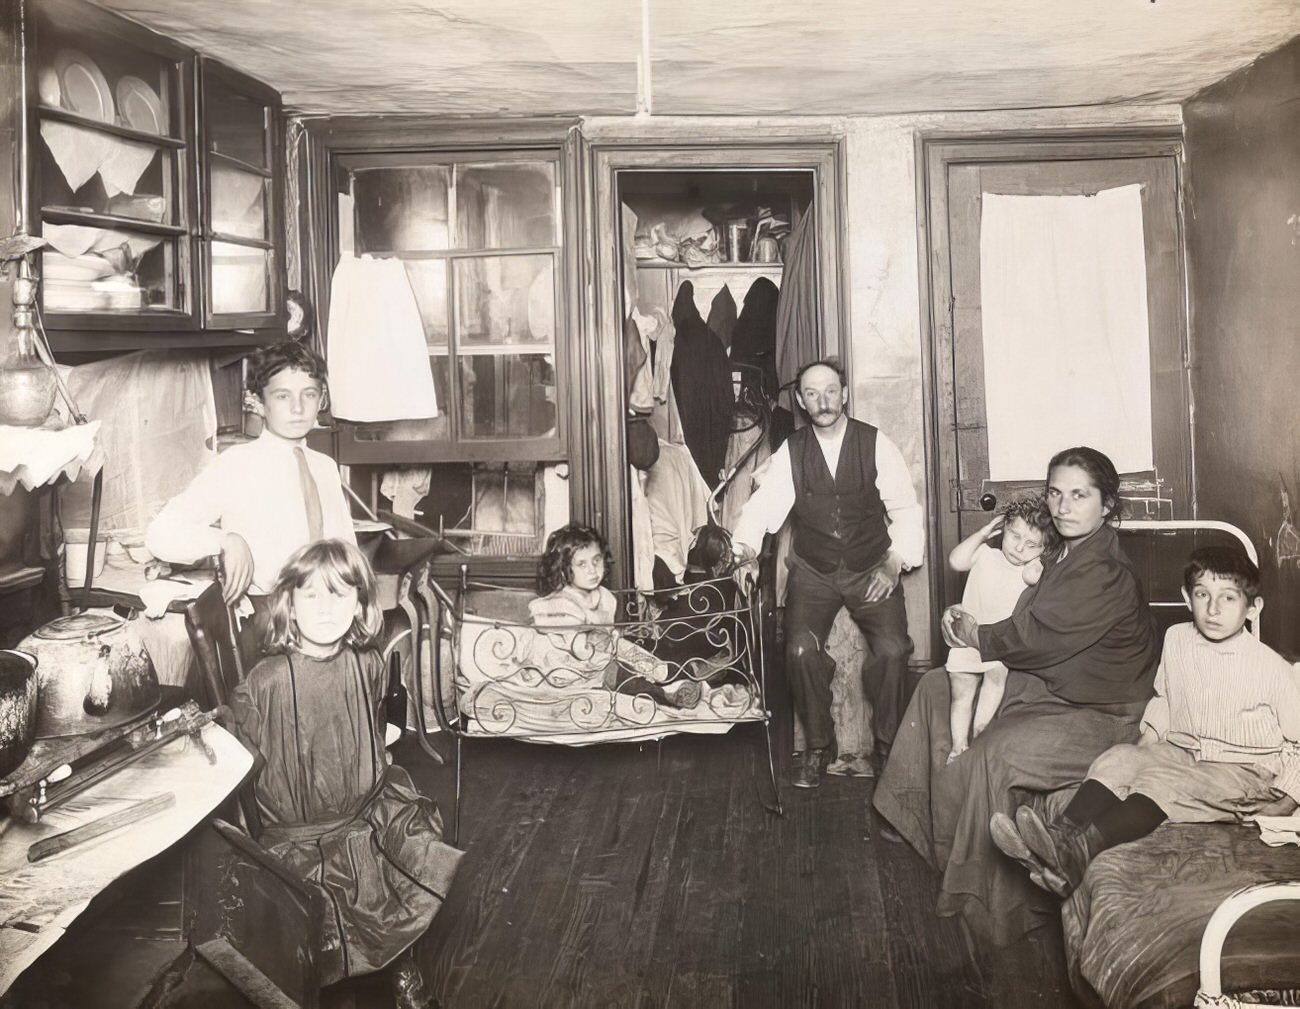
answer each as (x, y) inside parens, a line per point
(857, 526)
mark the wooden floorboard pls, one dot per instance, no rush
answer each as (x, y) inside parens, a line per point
(640, 876)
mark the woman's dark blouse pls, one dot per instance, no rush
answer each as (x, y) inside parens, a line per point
(1084, 629)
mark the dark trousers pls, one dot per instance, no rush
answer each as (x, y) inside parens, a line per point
(812, 601)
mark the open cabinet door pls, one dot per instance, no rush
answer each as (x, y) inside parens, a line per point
(1057, 303)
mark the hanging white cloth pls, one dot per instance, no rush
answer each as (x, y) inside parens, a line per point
(406, 487)
(378, 357)
(1064, 312)
(643, 542)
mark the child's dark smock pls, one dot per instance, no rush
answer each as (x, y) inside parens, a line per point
(1082, 652)
(335, 812)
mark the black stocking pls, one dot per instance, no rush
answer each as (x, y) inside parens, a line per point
(1090, 802)
(1135, 817)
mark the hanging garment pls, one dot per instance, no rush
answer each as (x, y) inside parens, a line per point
(702, 383)
(722, 316)
(742, 484)
(653, 384)
(796, 308)
(754, 341)
(643, 534)
(378, 357)
(636, 365)
(679, 504)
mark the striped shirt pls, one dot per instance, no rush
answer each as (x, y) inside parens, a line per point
(1234, 701)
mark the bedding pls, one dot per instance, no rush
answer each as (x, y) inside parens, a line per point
(1133, 928)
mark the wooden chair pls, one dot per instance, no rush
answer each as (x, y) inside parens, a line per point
(246, 915)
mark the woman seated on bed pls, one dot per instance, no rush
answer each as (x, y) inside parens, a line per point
(1082, 651)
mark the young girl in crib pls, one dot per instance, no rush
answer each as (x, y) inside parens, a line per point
(995, 580)
(571, 584)
(332, 808)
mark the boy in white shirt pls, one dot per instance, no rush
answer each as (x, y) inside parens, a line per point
(1220, 739)
(258, 502)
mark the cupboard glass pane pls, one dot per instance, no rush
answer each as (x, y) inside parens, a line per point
(87, 269)
(506, 206)
(428, 279)
(507, 395)
(401, 209)
(505, 301)
(108, 83)
(238, 202)
(237, 126)
(239, 279)
(84, 170)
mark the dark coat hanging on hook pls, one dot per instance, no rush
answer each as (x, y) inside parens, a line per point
(754, 339)
(701, 376)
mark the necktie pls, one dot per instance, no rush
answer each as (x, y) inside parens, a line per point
(310, 498)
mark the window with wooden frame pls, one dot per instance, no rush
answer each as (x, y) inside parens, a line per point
(480, 237)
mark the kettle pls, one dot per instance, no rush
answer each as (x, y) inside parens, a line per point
(93, 673)
(18, 689)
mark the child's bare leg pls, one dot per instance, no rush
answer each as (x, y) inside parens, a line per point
(995, 684)
(963, 687)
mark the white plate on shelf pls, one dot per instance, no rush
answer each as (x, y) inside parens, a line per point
(83, 85)
(140, 106)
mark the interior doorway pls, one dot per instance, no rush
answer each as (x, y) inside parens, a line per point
(1057, 314)
(721, 220)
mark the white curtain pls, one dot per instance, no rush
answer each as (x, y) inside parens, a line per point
(1064, 312)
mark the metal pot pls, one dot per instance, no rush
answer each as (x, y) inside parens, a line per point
(18, 695)
(94, 673)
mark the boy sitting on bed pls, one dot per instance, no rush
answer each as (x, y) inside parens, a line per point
(1220, 738)
(256, 503)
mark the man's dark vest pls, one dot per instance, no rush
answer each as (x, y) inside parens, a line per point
(841, 519)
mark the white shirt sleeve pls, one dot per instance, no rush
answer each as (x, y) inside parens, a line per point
(183, 532)
(768, 506)
(906, 520)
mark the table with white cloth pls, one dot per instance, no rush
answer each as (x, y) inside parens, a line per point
(39, 900)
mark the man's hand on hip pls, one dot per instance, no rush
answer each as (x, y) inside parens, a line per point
(884, 578)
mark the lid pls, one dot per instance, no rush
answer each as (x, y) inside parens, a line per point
(79, 625)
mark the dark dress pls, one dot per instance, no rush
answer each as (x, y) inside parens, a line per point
(1082, 651)
(335, 812)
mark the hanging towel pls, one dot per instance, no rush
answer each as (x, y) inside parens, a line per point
(378, 357)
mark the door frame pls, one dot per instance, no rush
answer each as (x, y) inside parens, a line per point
(935, 153)
(601, 493)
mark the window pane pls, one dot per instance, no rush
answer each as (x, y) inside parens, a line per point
(505, 300)
(428, 279)
(239, 279)
(506, 206)
(236, 125)
(401, 209)
(238, 202)
(431, 429)
(88, 269)
(507, 395)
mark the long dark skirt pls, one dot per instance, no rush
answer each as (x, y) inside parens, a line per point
(1037, 743)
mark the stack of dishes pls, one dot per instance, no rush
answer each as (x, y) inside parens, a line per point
(67, 281)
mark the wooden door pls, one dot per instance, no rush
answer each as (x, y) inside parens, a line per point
(960, 178)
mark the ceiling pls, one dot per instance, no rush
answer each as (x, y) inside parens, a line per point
(724, 57)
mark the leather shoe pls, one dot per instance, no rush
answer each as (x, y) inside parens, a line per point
(1063, 851)
(809, 772)
(1005, 835)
